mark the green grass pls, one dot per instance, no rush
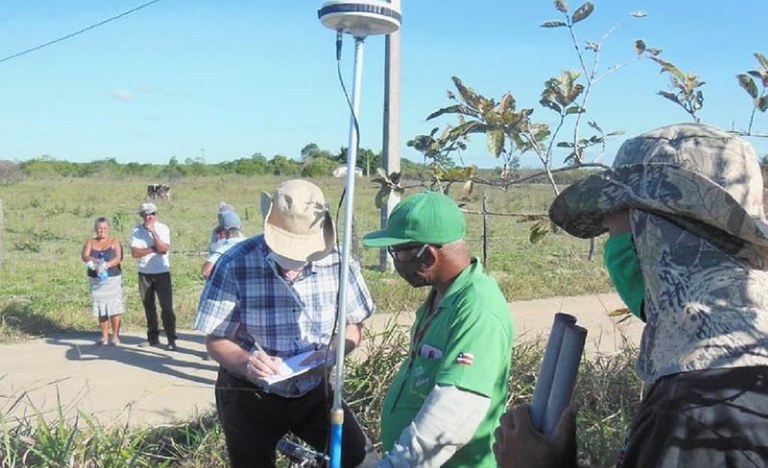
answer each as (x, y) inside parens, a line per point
(43, 289)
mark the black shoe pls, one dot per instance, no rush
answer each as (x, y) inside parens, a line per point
(171, 346)
(147, 344)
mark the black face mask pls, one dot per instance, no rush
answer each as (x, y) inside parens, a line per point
(411, 273)
(412, 270)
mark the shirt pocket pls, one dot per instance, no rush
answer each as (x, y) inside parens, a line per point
(423, 376)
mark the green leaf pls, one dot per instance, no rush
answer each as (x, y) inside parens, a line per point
(594, 125)
(762, 60)
(564, 144)
(553, 24)
(639, 46)
(465, 129)
(582, 12)
(574, 110)
(762, 103)
(495, 142)
(562, 6)
(551, 104)
(748, 84)
(653, 51)
(471, 98)
(539, 231)
(760, 75)
(382, 173)
(669, 67)
(570, 158)
(507, 103)
(671, 96)
(454, 109)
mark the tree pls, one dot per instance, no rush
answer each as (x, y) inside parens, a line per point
(511, 131)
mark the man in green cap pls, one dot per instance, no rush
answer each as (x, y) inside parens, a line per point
(446, 400)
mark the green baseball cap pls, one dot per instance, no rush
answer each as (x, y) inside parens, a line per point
(425, 218)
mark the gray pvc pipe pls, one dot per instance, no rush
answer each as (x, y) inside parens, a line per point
(565, 376)
(548, 365)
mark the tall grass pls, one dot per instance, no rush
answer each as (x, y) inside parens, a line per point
(607, 394)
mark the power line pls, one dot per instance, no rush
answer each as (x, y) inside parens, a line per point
(63, 38)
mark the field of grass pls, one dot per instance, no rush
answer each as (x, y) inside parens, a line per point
(43, 286)
(43, 289)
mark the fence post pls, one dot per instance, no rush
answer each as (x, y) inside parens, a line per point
(485, 231)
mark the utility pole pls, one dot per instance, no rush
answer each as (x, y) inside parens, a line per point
(391, 133)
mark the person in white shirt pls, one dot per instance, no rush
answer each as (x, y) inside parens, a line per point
(151, 244)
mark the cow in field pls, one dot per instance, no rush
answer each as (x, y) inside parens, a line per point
(161, 191)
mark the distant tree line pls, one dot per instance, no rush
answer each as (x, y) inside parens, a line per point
(313, 162)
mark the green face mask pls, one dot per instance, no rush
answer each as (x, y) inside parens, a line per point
(624, 269)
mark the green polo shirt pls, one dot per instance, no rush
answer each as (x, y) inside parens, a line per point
(467, 342)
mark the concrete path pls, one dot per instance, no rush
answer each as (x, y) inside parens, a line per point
(151, 386)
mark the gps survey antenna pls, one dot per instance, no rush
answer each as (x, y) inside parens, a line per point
(358, 19)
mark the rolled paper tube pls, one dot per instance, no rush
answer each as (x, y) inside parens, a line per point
(565, 376)
(548, 365)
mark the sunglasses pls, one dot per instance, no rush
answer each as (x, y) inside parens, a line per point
(397, 254)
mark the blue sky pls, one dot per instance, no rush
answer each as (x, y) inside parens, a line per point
(225, 79)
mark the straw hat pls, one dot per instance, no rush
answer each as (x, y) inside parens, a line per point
(297, 223)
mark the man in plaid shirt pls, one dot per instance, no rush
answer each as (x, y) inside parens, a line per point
(271, 297)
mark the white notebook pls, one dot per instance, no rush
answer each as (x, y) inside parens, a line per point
(292, 366)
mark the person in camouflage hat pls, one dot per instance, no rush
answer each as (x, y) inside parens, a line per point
(688, 254)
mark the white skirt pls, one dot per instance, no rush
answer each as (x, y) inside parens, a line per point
(107, 296)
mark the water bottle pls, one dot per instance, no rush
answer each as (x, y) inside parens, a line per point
(102, 271)
(101, 268)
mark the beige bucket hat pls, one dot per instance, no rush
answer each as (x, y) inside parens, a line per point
(297, 222)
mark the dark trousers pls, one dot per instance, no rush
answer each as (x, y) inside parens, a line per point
(716, 417)
(254, 421)
(151, 284)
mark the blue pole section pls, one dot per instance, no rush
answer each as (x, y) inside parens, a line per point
(547, 370)
(337, 412)
(565, 376)
(337, 423)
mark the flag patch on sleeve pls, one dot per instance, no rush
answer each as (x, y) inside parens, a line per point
(465, 359)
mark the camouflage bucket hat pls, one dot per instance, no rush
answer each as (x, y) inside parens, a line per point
(698, 176)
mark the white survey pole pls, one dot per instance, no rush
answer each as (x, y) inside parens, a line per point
(358, 19)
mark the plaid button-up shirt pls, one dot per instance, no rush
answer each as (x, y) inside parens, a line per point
(248, 300)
